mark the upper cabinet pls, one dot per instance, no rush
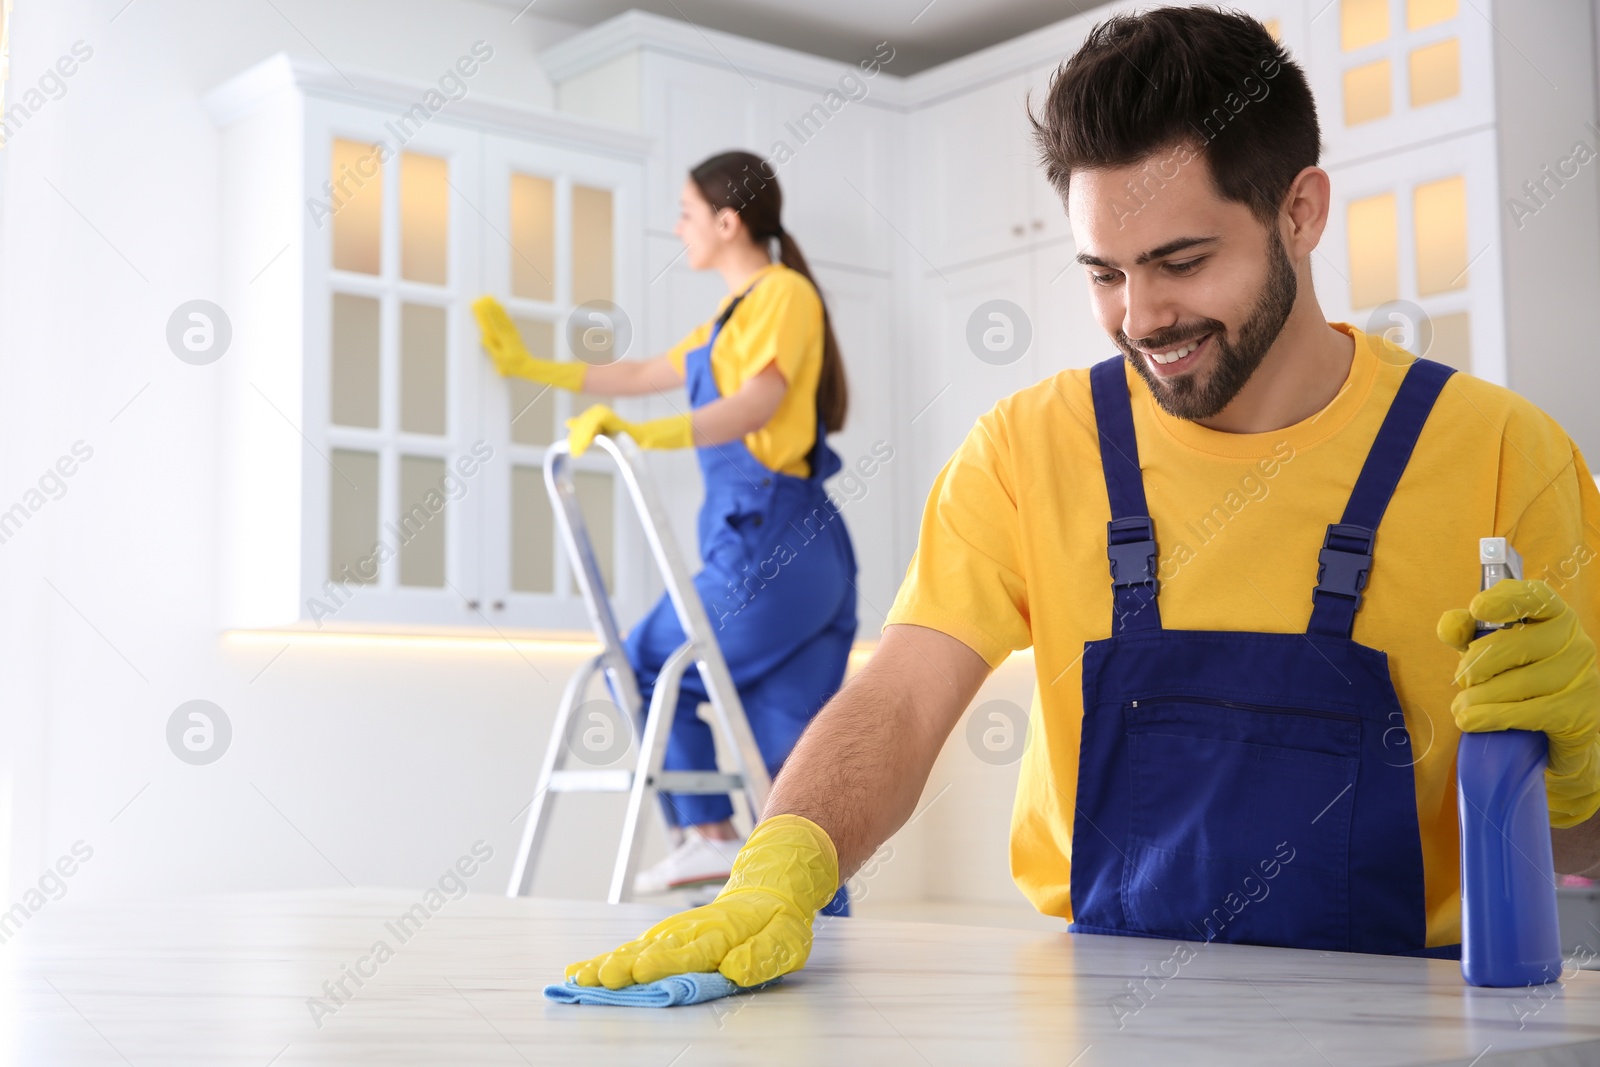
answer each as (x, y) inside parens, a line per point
(828, 131)
(975, 157)
(378, 470)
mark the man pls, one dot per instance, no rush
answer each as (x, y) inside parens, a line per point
(1240, 552)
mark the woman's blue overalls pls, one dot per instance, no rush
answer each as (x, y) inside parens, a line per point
(778, 584)
(1248, 787)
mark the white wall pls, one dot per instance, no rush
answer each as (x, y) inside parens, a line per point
(374, 764)
(391, 762)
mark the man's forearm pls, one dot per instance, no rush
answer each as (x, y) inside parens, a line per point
(859, 769)
(1577, 848)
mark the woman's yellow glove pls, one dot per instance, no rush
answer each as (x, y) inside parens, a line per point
(1534, 675)
(512, 359)
(674, 431)
(757, 928)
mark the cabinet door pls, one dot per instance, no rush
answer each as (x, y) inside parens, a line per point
(831, 158)
(391, 265)
(677, 299)
(861, 309)
(565, 238)
(694, 111)
(976, 344)
(1066, 332)
(1047, 212)
(975, 160)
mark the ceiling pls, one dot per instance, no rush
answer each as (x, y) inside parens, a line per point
(922, 33)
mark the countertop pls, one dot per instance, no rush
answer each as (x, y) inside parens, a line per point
(240, 980)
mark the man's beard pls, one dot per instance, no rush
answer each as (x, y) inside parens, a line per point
(1194, 398)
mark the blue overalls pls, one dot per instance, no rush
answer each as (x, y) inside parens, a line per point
(1248, 787)
(778, 584)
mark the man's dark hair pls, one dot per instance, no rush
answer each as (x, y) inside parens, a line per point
(1206, 78)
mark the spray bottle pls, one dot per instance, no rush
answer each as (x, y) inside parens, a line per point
(1509, 934)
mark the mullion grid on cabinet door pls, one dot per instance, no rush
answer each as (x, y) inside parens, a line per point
(389, 440)
(525, 401)
(565, 585)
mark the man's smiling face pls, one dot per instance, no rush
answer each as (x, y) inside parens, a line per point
(1179, 265)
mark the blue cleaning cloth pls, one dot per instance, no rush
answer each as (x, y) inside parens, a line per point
(667, 992)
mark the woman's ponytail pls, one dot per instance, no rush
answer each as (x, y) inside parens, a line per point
(740, 180)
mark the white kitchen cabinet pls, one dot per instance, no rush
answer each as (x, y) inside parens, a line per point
(694, 111)
(948, 383)
(373, 473)
(974, 184)
(830, 155)
(874, 454)
(1066, 332)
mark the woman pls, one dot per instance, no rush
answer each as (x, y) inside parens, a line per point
(765, 384)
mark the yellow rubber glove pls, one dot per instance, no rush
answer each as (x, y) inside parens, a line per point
(674, 431)
(512, 359)
(1537, 675)
(757, 928)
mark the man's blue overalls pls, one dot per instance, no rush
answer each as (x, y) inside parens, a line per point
(778, 584)
(1248, 787)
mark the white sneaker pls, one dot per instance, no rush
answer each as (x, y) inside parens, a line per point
(695, 862)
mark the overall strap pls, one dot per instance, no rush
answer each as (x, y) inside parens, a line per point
(1346, 557)
(727, 313)
(1130, 535)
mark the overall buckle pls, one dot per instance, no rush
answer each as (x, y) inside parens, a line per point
(1131, 546)
(1345, 561)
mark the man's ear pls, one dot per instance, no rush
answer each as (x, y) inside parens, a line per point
(1306, 209)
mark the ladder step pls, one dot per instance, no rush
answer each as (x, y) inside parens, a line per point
(597, 781)
(697, 782)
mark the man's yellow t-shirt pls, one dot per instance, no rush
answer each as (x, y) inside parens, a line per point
(1012, 554)
(780, 321)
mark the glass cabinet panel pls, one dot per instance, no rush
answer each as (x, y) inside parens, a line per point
(354, 386)
(423, 381)
(421, 524)
(1440, 213)
(352, 515)
(1374, 250)
(591, 244)
(357, 203)
(1435, 72)
(424, 218)
(596, 497)
(533, 404)
(1362, 22)
(533, 237)
(533, 547)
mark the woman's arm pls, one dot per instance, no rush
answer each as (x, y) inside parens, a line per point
(632, 377)
(752, 407)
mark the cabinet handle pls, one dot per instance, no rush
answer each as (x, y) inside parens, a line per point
(1038, 224)
(472, 605)
(499, 605)
(1017, 230)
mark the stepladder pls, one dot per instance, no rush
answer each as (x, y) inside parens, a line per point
(647, 777)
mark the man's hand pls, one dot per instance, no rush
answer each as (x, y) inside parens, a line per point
(674, 431)
(1534, 675)
(757, 928)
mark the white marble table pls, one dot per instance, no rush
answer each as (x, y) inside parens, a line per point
(229, 980)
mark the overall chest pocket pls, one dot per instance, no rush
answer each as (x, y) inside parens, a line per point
(1240, 822)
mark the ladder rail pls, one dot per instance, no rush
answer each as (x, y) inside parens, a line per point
(539, 808)
(652, 755)
(700, 648)
(724, 696)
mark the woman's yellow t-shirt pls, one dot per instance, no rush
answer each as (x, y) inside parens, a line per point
(779, 321)
(1012, 554)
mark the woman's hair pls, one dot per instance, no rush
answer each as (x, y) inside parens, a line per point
(1174, 77)
(742, 181)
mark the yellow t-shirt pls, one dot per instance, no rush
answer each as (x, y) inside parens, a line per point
(1012, 553)
(779, 321)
